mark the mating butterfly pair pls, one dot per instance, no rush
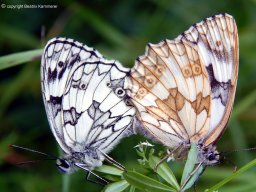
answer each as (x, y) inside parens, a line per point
(179, 92)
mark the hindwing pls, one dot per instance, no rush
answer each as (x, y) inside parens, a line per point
(184, 88)
(84, 96)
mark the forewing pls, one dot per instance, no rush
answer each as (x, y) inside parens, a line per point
(217, 41)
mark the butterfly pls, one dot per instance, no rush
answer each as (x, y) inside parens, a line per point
(86, 103)
(184, 89)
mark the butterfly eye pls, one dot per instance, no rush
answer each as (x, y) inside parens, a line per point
(63, 165)
(211, 157)
(119, 92)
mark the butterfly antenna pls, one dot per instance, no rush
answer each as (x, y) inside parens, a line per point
(32, 161)
(42, 34)
(112, 161)
(90, 172)
(237, 150)
(34, 151)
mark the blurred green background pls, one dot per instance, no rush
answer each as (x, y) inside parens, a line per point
(119, 30)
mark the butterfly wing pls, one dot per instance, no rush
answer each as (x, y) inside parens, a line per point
(95, 114)
(217, 41)
(77, 98)
(178, 86)
(171, 92)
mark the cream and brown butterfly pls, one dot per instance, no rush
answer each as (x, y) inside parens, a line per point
(184, 88)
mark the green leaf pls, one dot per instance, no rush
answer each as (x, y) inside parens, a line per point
(164, 171)
(238, 172)
(190, 163)
(190, 173)
(145, 183)
(109, 170)
(193, 179)
(19, 58)
(117, 186)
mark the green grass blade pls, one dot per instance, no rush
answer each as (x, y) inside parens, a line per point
(19, 58)
(237, 133)
(226, 180)
(101, 26)
(18, 37)
(65, 177)
(164, 171)
(65, 182)
(117, 186)
(146, 183)
(16, 85)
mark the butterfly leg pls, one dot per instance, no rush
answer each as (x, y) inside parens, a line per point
(95, 181)
(113, 162)
(162, 160)
(196, 182)
(89, 172)
(231, 163)
(169, 154)
(193, 173)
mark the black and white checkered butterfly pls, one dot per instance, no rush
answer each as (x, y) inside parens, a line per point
(85, 102)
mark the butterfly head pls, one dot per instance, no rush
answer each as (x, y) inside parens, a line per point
(65, 165)
(208, 155)
(88, 159)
